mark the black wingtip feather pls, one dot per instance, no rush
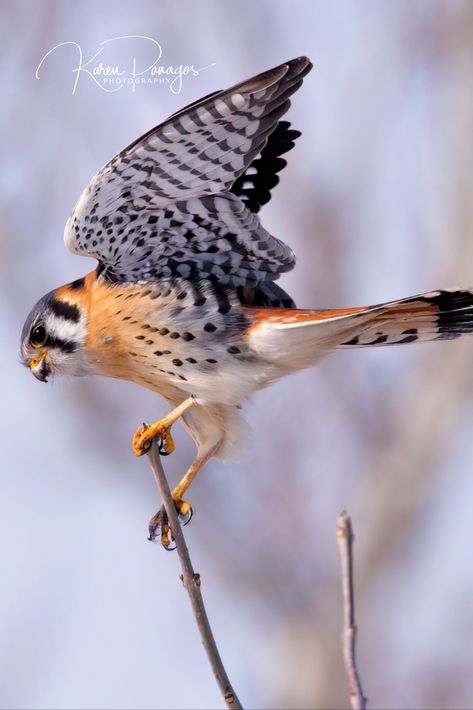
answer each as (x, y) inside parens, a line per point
(255, 184)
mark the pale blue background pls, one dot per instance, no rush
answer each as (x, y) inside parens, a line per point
(376, 202)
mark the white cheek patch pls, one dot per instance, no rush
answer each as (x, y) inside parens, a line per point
(68, 330)
(73, 363)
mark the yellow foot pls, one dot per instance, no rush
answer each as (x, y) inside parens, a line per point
(160, 430)
(147, 432)
(160, 522)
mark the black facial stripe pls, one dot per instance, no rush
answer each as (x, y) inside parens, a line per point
(67, 346)
(77, 284)
(65, 310)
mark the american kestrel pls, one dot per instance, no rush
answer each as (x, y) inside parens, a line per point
(184, 300)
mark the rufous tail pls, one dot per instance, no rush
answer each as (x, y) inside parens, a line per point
(294, 338)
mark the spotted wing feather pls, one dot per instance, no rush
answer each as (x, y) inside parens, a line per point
(163, 207)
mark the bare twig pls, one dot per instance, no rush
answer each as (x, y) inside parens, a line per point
(192, 582)
(345, 543)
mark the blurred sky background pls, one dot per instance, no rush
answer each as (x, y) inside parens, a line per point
(377, 203)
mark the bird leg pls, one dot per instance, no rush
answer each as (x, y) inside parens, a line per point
(160, 430)
(160, 522)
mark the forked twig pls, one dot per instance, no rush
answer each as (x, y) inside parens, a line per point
(345, 543)
(191, 581)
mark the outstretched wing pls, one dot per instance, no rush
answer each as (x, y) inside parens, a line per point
(163, 207)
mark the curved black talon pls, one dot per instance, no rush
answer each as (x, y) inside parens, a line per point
(170, 547)
(186, 517)
(161, 448)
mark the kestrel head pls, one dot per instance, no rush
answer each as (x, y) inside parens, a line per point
(53, 338)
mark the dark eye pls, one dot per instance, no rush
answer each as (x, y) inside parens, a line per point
(38, 336)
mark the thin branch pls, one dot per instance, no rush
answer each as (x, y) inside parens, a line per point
(345, 543)
(192, 582)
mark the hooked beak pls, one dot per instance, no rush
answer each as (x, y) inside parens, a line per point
(40, 368)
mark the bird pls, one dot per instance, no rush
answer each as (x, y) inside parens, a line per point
(184, 299)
